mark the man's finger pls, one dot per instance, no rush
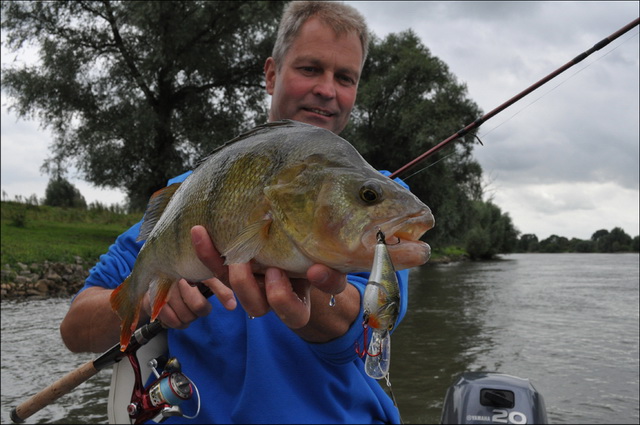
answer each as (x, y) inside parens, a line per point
(288, 299)
(193, 300)
(248, 290)
(207, 253)
(222, 292)
(327, 279)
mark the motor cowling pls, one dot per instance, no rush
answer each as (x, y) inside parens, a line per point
(496, 398)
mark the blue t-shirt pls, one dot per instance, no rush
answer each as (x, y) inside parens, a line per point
(258, 370)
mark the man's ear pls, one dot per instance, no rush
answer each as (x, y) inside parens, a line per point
(270, 74)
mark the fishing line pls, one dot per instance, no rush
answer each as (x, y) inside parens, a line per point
(428, 166)
(393, 397)
(558, 85)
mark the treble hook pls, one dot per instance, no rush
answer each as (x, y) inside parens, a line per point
(365, 350)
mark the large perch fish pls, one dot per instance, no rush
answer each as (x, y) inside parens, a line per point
(285, 194)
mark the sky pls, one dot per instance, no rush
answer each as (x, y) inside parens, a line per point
(562, 161)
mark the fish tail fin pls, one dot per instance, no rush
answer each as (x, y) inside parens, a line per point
(159, 291)
(127, 306)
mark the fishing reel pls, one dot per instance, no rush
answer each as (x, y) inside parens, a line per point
(164, 395)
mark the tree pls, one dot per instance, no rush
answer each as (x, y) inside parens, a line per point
(492, 232)
(408, 102)
(554, 243)
(136, 92)
(621, 241)
(615, 241)
(579, 245)
(528, 243)
(599, 234)
(61, 193)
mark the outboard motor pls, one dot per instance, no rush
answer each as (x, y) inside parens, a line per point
(493, 398)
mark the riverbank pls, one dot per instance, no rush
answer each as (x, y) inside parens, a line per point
(43, 280)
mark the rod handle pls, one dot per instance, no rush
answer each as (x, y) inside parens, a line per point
(53, 392)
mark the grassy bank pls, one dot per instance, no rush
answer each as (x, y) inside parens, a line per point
(447, 254)
(33, 234)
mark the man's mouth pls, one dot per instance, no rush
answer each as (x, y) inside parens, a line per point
(319, 112)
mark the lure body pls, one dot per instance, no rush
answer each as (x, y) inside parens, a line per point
(381, 308)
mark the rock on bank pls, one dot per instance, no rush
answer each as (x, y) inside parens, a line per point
(47, 279)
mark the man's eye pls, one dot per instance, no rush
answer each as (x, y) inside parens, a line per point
(346, 80)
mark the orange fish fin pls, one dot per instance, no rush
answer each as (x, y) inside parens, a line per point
(159, 291)
(249, 242)
(157, 203)
(127, 306)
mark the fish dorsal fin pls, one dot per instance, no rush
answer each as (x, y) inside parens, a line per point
(157, 203)
(252, 132)
(249, 242)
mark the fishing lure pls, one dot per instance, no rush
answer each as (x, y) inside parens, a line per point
(381, 308)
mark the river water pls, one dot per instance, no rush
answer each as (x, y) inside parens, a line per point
(567, 322)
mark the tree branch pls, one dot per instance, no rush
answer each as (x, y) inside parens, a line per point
(127, 57)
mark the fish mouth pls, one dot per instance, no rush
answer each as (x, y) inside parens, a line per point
(402, 237)
(402, 229)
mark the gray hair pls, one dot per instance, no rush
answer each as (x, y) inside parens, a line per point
(340, 17)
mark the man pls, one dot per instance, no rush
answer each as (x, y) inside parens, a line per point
(285, 355)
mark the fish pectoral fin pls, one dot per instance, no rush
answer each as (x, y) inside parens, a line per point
(249, 242)
(157, 203)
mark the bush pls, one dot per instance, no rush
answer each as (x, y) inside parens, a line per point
(61, 193)
(19, 217)
(478, 244)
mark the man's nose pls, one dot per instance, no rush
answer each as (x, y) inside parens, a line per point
(325, 86)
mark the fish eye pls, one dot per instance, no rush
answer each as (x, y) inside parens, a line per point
(370, 192)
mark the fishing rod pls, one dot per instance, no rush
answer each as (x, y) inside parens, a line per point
(477, 123)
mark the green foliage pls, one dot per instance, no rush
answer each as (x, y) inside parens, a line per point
(448, 253)
(408, 102)
(527, 243)
(18, 218)
(59, 234)
(615, 241)
(478, 243)
(452, 251)
(579, 245)
(554, 243)
(492, 232)
(602, 240)
(61, 193)
(136, 92)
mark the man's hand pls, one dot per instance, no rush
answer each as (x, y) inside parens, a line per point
(290, 299)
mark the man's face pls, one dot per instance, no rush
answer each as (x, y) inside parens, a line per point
(318, 80)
